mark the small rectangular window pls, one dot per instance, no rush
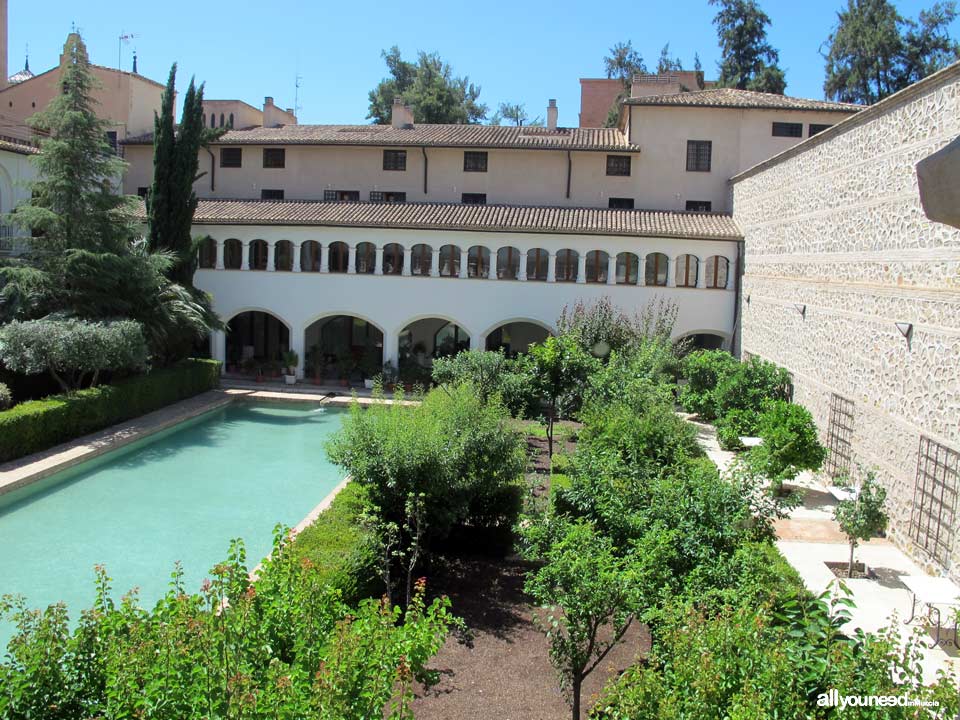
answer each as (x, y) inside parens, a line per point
(699, 154)
(474, 161)
(274, 157)
(620, 203)
(699, 206)
(785, 129)
(341, 195)
(814, 129)
(618, 165)
(266, 194)
(387, 196)
(112, 140)
(474, 198)
(394, 159)
(231, 157)
(143, 191)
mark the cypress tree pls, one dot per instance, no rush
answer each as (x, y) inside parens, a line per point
(172, 200)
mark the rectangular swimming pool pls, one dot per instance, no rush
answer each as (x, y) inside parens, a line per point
(179, 495)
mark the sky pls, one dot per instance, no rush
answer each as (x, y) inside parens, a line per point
(518, 52)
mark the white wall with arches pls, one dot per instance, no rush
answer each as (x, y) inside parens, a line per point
(478, 299)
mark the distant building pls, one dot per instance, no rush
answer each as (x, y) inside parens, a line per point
(598, 95)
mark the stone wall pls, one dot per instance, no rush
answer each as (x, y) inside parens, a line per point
(837, 252)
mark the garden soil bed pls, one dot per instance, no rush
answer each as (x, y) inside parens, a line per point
(503, 670)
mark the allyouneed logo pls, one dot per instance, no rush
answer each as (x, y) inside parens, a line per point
(833, 698)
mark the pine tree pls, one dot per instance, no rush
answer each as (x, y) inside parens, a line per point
(75, 203)
(749, 62)
(172, 199)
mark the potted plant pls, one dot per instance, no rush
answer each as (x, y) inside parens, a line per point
(345, 365)
(389, 376)
(251, 367)
(316, 362)
(290, 361)
(370, 366)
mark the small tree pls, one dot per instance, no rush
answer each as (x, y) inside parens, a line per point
(72, 351)
(862, 516)
(560, 364)
(790, 443)
(584, 588)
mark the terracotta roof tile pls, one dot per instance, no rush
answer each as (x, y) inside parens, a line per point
(490, 218)
(467, 136)
(18, 146)
(745, 99)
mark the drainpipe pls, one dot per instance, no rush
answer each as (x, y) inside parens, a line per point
(213, 170)
(569, 172)
(737, 306)
(426, 166)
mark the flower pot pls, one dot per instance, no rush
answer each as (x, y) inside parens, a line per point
(290, 379)
(261, 378)
(344, 382)
(317, 380)
(368, 383)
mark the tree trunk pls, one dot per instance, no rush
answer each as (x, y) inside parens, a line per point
(577, 684)
(850, 567)
(553, 412)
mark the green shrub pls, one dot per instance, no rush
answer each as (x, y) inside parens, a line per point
(490, 373)
(39, 424)
(339, 547)
(703, 370)
(6, 397)
(73, 351)
(733, 425)
(790, 442)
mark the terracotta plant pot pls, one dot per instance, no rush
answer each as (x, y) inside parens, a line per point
(344, 382)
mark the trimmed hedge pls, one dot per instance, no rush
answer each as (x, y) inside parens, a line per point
(340, 548)
(40, 424)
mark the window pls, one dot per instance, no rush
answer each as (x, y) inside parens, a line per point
(232, 254)
(394, 159)
(230, 121)
(274, 157)
(474, 161)
(283, 256)
(112, 140)
(341, 195)
(366, 260)
(839, 437)
(618, 165)
(538, 261)
(258, 255)
(392, 259)
(687, 271)
(934, 515)
(143, 191)
(597, 266)
(566, 265)
(717, 270)
(449, 261)
(310, 256)
(221, 119)
(815, 128)
(421, 259)
(655, 272)
(699, 206)
(508, 263)
(620, 203)
(231, 157)
(698, 155)
(208, 253)
(474, 198)
(784, 129)
(627, 268)
(478, 262)
(338, 257)
(213, 120)
(385, 196)
(268, 194)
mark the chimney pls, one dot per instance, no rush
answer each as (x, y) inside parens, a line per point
(134, 62)
(401, 116)
(552, 115)
(268, 101)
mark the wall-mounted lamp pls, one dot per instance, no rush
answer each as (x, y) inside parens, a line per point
(906, 329)
(748, 299)
(802, 309)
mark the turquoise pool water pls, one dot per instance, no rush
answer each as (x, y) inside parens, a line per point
(181, 494)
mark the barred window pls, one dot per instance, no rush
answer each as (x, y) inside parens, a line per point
(620, 203)
(618, 165)
(231, 157)
(934, 517)
(394, 159)
(268, 194)
(699, 153)
(274, 157)
(474, 198)
(387, 196)
(699, 206)
(815, 129)
(341, 195)
(785, 129)
(474, 161)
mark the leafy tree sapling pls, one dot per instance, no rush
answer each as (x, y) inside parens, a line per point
(862, 516)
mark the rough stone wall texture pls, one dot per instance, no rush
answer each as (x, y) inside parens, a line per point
(837, 227)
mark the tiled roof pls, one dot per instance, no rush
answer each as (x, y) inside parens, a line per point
(490, 218)
(733, 98)
(478, 136)
(17, 146)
